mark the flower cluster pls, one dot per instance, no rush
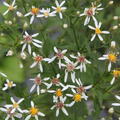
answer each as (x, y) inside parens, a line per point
(65, 87)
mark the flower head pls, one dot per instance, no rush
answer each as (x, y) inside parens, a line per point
(33, 112)
(11, 7)
(28, 40)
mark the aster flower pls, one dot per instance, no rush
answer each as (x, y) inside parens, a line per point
(33, 112)
(28, 40)
(58, 92)
(116, 74)
(46, 13)
(82, 61)
(77, 97)
(38, 82)
(8, 84)
(9, 114)
(97, 30)
(59, 9)
(111, 57)
(80, 89)
(116, 104)
(34, 12)
(38, 61)
(55, 81)
(69, 68)
(15, 106)
(58, 55)
(11, 7)
(90, 13)
(60, 105)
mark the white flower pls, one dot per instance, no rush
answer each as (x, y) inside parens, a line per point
(79, 92)
(8, 84)
(116, 104)
(111, 57)
(34, 12)
(29, 39)
(58, 55)
(82, 61)
(55, 81)
(38, 82)
(60, 105)
(15, 106)
(116, 74)
(59, 9)
(33, 112)
(69, 68)
(58, 92)
(97, 30)
(11, 115)
(10, 7)
(76, 97)
(90, 12)
(46, 13)
(38, 61)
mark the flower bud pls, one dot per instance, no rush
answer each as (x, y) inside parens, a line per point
(19, 14)
(111, 110)
(23, 55)
(111, 2)
(9, 53)
(65, 25)
(113, 44)
(115, 17)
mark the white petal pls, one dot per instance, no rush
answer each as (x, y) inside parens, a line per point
(32, 19)
(35, 35)
(112, 81)
(118, 97)
(100, 37)
(28, 117)
(116, 104)
(64, 110)
(109, 67)
(33, 87)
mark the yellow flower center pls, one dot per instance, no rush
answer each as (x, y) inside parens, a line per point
(58, 9)
(77, 97)
(46, 14)
(33, 111)
(98, 31)
(15, 105)
(35, 10)
(11, 7)
(112, 57)
(59, 92)
(10, 84)
(116, 73)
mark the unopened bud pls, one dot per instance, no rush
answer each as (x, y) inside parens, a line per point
(115, 17)
(113, 44)
(9, 53)
(115, 27)
(19, 14)
(111, 110)
(111, 2)
(65, 25)
(23, 55)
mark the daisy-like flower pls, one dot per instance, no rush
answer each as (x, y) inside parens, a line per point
(33, 112)
(46, 13)
(34, 12)
(60, 105)
(58, 55)
(80, 89)
(38, 61)
(28, 40)
(82, 61)
(8, 84)
(77, 97)
(116, 104)
(111, 57)
(116, 74)
(11, 7)
(98, 31)
(69, 68)
(38, 81)
(90, 13)
(9, 114)
(15, 106)
(59, 9)
(58, 92)
(55, 81)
